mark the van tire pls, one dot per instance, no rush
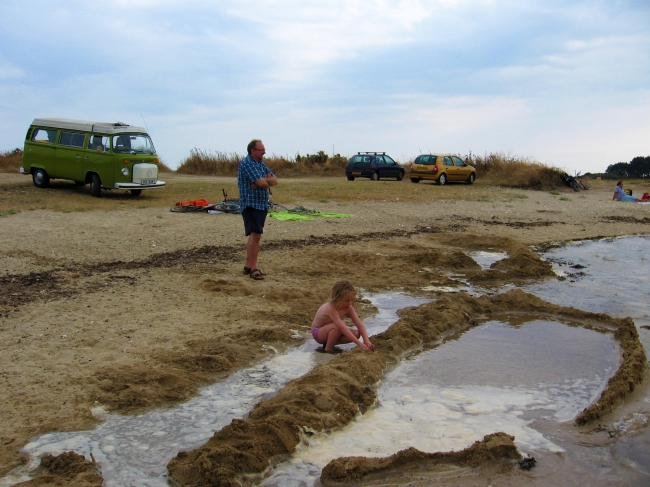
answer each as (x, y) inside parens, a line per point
(400, 176)
(442, 179)
(413, 180)
(95, 186)
(136, 192)
(374, 176)
(41, 178)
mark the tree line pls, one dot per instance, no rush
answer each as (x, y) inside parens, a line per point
(639, 167)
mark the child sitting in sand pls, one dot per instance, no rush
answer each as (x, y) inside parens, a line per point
(328, 326)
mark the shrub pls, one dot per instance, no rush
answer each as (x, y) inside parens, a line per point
(515, 171)
(223, 164)
(10, 161)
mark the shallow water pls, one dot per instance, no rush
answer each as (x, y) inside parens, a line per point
(135, 450)
(482, 381)
(493, 377)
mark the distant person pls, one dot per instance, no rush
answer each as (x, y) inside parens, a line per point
(620, 195)
(328, 326)
(254, 179)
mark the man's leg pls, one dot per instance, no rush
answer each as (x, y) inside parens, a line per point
(252, 249)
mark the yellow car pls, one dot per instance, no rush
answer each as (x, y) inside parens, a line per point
(442, 168)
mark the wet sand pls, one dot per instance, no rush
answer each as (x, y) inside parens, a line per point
(129, 310)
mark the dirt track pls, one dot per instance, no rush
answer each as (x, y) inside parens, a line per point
(132, 309)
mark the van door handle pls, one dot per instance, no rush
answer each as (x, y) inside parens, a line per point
(86, 158)
(78, 157)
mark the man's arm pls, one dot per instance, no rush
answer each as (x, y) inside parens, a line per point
(266, 182)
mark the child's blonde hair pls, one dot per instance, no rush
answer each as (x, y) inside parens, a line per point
(339, 290)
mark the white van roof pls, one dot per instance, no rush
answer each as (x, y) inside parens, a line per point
(88, 126)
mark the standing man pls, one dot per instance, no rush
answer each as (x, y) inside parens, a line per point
(254, 179)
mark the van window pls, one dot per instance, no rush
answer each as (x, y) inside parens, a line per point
(71, 139)
(46, 136)
(133, 143)
(95, 142)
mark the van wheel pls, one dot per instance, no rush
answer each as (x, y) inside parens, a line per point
(415, 180)
(136, 192)
(95, 186)
(350, 178)
(442, 179)
(400, 176)
(375, 176)
(41, 178)
(471, 178)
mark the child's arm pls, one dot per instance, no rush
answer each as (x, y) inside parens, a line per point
(343, 328)
(360, 326)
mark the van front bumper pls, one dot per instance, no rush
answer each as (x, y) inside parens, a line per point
(157, 184)
(22, 171)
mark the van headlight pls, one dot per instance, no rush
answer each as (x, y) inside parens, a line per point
(125, 171)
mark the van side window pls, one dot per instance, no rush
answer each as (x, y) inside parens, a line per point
(447, 161)
(45, 136)
(71, 139)
(97, 141)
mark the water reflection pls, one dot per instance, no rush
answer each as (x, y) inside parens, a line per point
(481, 381)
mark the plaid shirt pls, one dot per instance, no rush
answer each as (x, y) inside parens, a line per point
(249, 172)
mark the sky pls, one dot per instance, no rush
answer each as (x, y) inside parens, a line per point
(565, 83)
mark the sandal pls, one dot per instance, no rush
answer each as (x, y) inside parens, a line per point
(256, 274)
(247, 270)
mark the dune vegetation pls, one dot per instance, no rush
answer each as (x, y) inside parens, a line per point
(498, 168)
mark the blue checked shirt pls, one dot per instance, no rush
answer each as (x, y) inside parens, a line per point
(249, 172)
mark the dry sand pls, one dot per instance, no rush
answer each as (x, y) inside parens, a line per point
(134, 309)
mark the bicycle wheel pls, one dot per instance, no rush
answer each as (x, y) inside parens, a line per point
(184, 209)
(575, 185)
(228, 207)
(273, 208)
(584, 184)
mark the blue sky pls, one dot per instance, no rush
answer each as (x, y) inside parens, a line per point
(566, 83)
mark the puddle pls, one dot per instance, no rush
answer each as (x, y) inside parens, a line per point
(135, 450)
(493, 377)
(485, 259)
(498, 376)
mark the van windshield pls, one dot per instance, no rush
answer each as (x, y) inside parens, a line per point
(133, 144)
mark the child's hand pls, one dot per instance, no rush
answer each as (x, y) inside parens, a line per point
(369, 346)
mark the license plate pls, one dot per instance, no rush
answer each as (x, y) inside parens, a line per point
(148, 181)
(356, 173)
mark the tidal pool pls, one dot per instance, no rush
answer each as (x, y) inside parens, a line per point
(135, 450)
(493, 377)
(499, 376)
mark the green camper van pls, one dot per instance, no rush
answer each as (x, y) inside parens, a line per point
(104, 155)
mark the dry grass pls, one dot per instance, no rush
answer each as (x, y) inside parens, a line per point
(206, 163)
(10, 161)
(498, 168)
(18, 194)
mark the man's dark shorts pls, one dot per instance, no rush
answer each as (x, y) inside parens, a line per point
(253, 220)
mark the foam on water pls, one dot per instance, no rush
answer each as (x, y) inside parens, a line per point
(135, 450)
(482, 382)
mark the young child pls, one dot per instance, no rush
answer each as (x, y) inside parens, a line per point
(328, 326)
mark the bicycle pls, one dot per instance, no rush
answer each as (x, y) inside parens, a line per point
(273, 207)
(227, 205)
(190, 206)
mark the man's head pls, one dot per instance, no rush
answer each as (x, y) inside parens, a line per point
(256, 149)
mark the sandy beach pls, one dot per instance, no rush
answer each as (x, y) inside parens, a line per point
(136, 308)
